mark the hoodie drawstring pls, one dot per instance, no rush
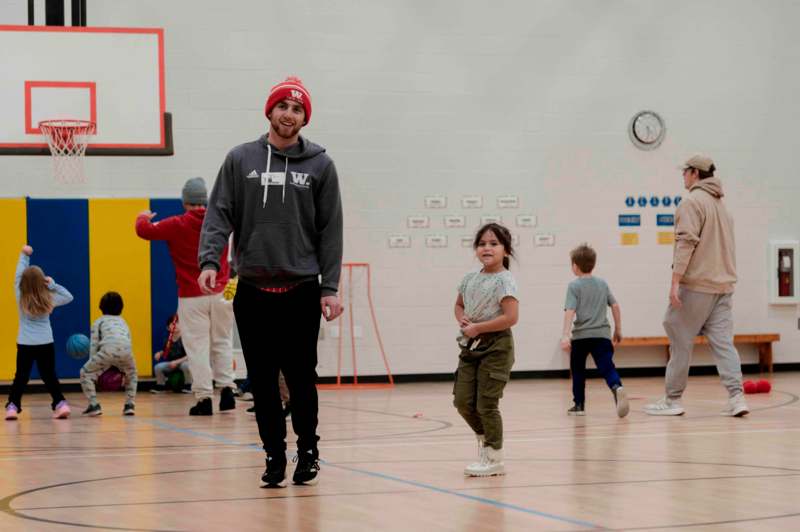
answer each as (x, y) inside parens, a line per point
(266, 182)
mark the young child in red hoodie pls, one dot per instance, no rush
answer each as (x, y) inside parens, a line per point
(206, 320)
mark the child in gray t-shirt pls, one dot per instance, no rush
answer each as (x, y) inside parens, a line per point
(486, 308)
(587, 302)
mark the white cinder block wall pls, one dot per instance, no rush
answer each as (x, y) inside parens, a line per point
(530, 98)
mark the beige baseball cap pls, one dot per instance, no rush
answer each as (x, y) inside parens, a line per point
(701, 162)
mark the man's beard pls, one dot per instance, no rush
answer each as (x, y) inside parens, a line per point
(281, 130)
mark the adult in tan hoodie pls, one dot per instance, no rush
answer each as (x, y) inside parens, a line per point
(703, 277)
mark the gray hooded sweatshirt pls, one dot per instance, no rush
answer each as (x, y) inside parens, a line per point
(285, 212)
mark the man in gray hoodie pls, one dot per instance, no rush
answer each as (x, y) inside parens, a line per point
(703, 276)
(279, 196)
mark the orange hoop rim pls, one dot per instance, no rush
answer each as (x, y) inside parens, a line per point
(50, 125)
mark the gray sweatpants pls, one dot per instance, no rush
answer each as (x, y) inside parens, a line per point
(712, 316)
(118, 356)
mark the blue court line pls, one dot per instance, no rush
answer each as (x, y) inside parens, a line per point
(475, 498)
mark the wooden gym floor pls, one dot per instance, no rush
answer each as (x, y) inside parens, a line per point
(385, 469)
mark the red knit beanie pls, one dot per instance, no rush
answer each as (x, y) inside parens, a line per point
(290, 89)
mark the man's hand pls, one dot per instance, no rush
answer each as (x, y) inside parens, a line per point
(207, 281)
(27, 250)
(157, 356)
(566, 344)
(674, 299)
(150, 215)
(331, 307)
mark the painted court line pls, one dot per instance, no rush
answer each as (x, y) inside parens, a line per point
(430, 487)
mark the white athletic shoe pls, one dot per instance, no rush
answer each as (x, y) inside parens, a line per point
(621, 400)
(736, 406)
(491, 465)
(665, 407)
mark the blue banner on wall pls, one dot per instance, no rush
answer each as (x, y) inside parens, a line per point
(629, 220)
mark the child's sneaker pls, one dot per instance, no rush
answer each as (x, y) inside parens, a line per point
(12, 412)
(227, 400)
(158, 388)
(481, 455)
(251, 410)
(307, 471)
(736, 407)
(491, 465)
(665, 407)
(202, 408)
(621, 400)
(93, 410)
(129, 409)
(61, 411)
(187, 388)
(576, 410)
(275, 474)
(287, 409)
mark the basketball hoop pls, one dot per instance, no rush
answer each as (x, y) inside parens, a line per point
(67, 140)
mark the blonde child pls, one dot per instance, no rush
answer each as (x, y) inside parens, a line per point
(37, 296)
(587, 302)
(486, 308)
(111, 346)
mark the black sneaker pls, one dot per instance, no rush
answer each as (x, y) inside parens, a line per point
(227, 401)
(251, 410)
(93, 410)
(307, 471)
(576, 410)
(202, 408)
(275, 474)
(158, 388)
(287, 409)
(129, 409)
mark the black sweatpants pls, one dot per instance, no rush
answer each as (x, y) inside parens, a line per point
(279, 332)
(45, 358)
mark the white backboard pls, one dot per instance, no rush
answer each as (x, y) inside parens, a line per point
(111, 76)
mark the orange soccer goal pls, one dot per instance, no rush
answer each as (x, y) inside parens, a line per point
(347, 327)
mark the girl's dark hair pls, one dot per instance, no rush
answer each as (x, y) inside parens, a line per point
(111, 304)
(172, 319)
(503, 235)
(706, 175)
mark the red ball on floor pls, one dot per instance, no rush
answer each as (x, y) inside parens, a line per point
(750, 387)
(763, 386)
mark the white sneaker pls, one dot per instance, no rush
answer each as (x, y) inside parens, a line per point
(481, 455)
(491, 465)
(665, 407)
(736, 406)
(621, 399)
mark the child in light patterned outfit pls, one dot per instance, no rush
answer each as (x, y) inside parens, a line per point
(486, 308)
(111, 346)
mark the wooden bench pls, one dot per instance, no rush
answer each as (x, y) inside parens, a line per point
(762, 341)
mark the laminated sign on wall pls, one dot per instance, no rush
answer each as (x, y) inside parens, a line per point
(629, 239)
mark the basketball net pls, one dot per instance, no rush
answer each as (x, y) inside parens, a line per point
(67, 140)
